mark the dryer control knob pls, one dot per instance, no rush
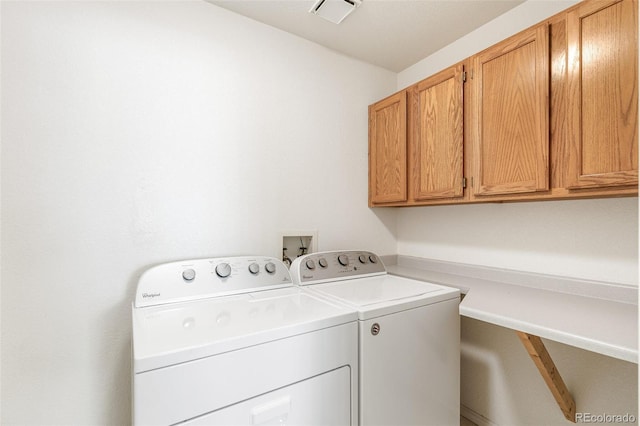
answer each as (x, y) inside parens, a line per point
(323, 262)
(254, 268)
(188, 274)
(223, 270)
(362, 258)
(373, 259)
(270, 267)
(343, 259)
(310, 264)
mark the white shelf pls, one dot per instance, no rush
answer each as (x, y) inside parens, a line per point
(606, 324)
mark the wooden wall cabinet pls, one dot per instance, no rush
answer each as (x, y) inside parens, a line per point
(602, 40)
(388, 150)
(416, 142)
(511, 114)
(550, 113)
(436, 136)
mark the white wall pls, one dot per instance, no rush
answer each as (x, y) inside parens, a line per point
(590, 239)
(135, 133)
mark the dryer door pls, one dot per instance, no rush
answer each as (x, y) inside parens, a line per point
(317, 401)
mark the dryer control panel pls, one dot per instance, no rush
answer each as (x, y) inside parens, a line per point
(325, 266)
(204, 278)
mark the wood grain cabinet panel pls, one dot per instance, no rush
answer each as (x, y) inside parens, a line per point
(388, 150)
(436, 136)
(602, 39)
(550, 113)
(511, 107)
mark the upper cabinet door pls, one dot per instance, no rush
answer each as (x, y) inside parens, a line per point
(436, 141)
(511, 90)
(602, 39)
(388, 150)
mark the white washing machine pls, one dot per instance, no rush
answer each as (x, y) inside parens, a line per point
(231, 341)
(409, 337)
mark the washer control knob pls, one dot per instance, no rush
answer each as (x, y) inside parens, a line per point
(343, 259)
(362, 258)
(310, 264)
(270, 267)
(323, 262)
(373, 259)
(223, 270)
(188, 274)
(254, 268)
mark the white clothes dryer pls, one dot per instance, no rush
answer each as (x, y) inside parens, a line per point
(409, 337)
(231, 341)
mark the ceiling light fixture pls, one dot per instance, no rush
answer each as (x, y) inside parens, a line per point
(334, 10)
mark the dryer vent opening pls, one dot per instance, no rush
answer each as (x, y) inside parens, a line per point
(334, 10)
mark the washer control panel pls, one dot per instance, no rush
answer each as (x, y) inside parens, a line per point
(204, 278)
(335, 265)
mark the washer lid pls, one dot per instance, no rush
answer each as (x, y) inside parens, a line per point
(169, 334)
(385, 294)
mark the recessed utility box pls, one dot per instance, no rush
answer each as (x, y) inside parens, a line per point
(297, 243)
